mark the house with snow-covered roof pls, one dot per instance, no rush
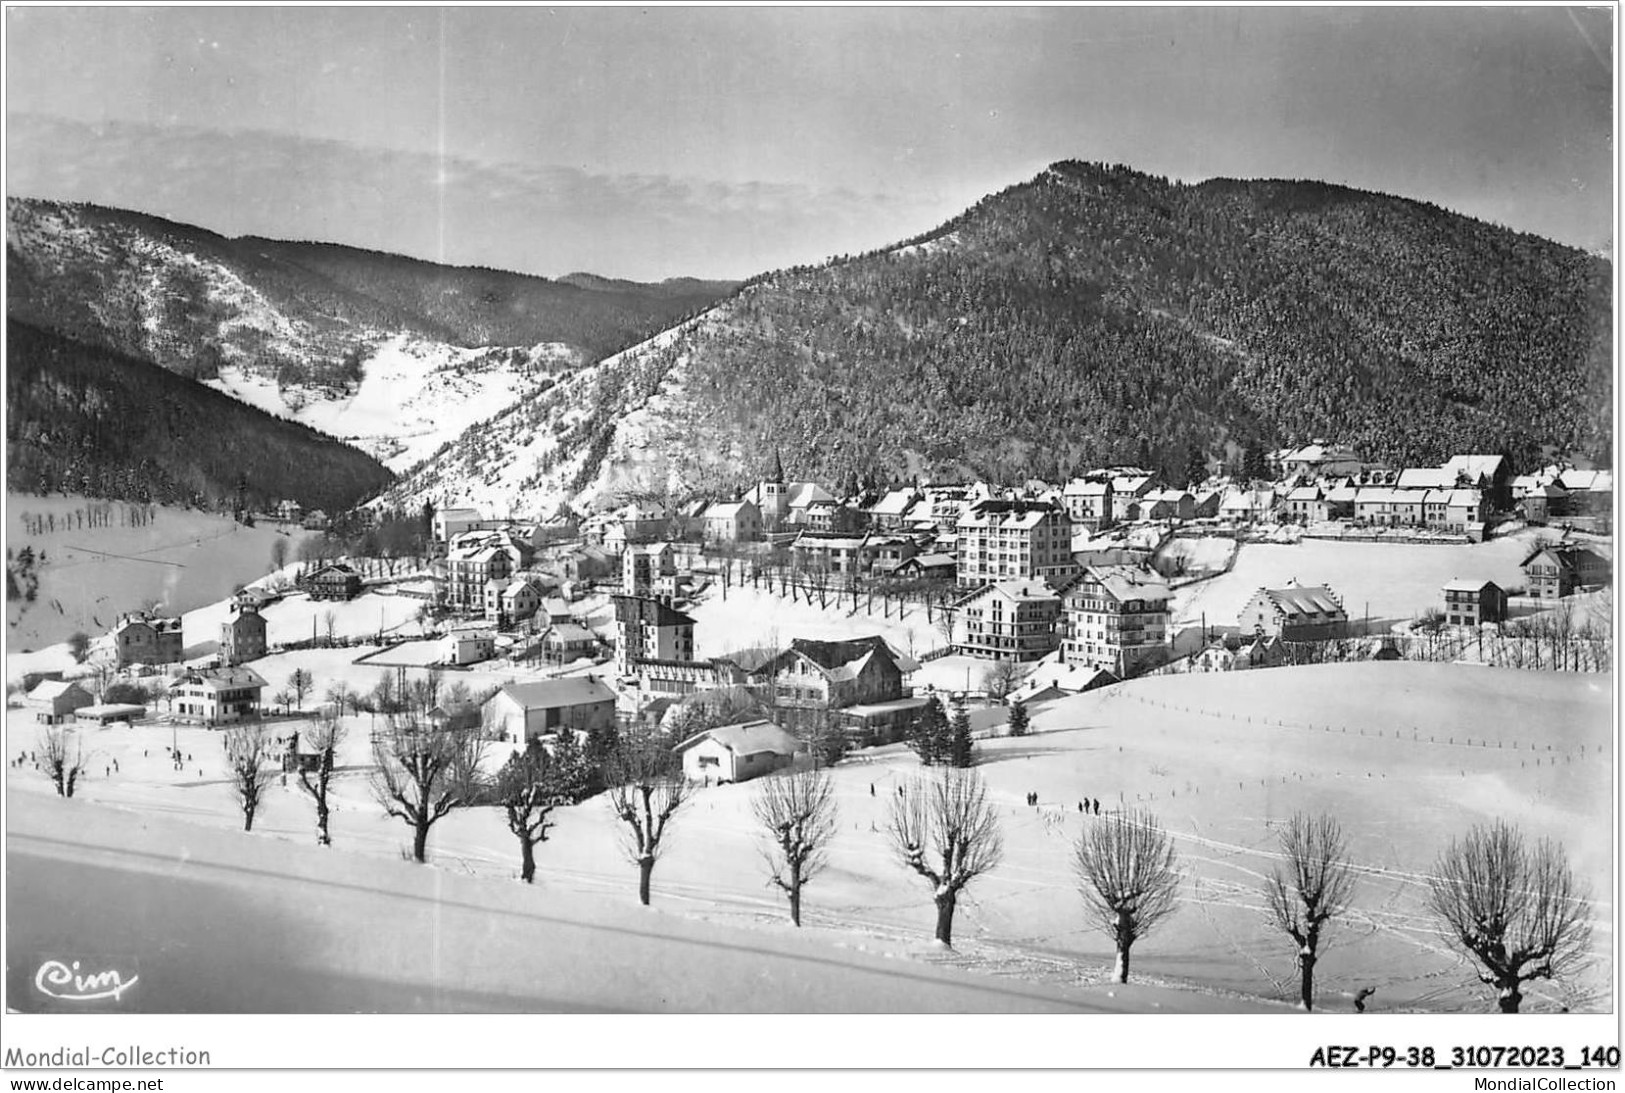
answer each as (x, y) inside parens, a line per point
(216, 696)
(857, 686)
(1468, 602)
(54, 701)
(142, 637)
(1002, 540)
(1306, 504)
(522, 712)
(1556, 570)
(732, 522)
(1116, 618)
(1295, 613)
(737, 753)
(1007, 620)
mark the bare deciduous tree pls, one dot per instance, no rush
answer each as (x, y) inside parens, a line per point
(423, 772)
(1126, 873)
(1001, 678)
(945, 830)
(1315, 888)
(323, 739)
(797, 809)
(645, 788)
(1518, 912)
(64, 759)
(248, 751)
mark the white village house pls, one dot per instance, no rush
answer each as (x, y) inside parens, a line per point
(734, 753)
(521, 712)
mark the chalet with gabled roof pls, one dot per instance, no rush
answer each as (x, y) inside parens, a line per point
(736, 753)
(334, 581)
(216, 696)
(1295, 613)
(855, 686)
(1557, 570)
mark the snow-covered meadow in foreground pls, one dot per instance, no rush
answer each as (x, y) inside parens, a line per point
(1405, 755)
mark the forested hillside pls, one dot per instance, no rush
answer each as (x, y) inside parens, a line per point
(1098, 315)
(86, 420)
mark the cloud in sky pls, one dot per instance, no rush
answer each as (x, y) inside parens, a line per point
(721, 141)
(543, 219)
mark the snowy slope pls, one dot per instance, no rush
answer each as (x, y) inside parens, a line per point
(1221, 759)
(579, 441)
(415, 394)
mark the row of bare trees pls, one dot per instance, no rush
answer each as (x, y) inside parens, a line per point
(1513, 909)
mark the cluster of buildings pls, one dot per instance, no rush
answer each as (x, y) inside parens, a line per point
(1021, 571)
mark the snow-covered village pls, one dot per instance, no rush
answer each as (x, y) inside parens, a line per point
(750, 512)
(722, 707)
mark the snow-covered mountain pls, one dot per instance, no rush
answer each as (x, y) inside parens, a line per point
(394, 355)
(415, 394)
(588, 439)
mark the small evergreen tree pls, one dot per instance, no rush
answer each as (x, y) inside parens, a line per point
(960, 745)
(1195, 469)
(1019, 720)
(930, 737)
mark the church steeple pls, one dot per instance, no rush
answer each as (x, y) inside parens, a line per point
(776, 473)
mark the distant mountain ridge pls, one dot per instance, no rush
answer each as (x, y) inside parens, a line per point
(190, 299)
(1097, 315)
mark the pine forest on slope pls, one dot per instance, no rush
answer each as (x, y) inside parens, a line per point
(83, 419)
(1096, 315)
(1093, 315)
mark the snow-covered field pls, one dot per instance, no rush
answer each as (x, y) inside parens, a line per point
(1392, 581)
(1405, 754)
(181, 560)
(415, 395)
(1209, 554)
(753, 617)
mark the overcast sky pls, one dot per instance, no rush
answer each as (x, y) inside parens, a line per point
(721, 142)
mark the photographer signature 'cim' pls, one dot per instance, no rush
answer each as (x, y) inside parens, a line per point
(58, 980)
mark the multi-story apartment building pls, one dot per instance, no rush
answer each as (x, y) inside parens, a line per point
(1007, 620)
(242, 635)
(1004, 540)
(473, 562)
(1116, 619)
(650, 630)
